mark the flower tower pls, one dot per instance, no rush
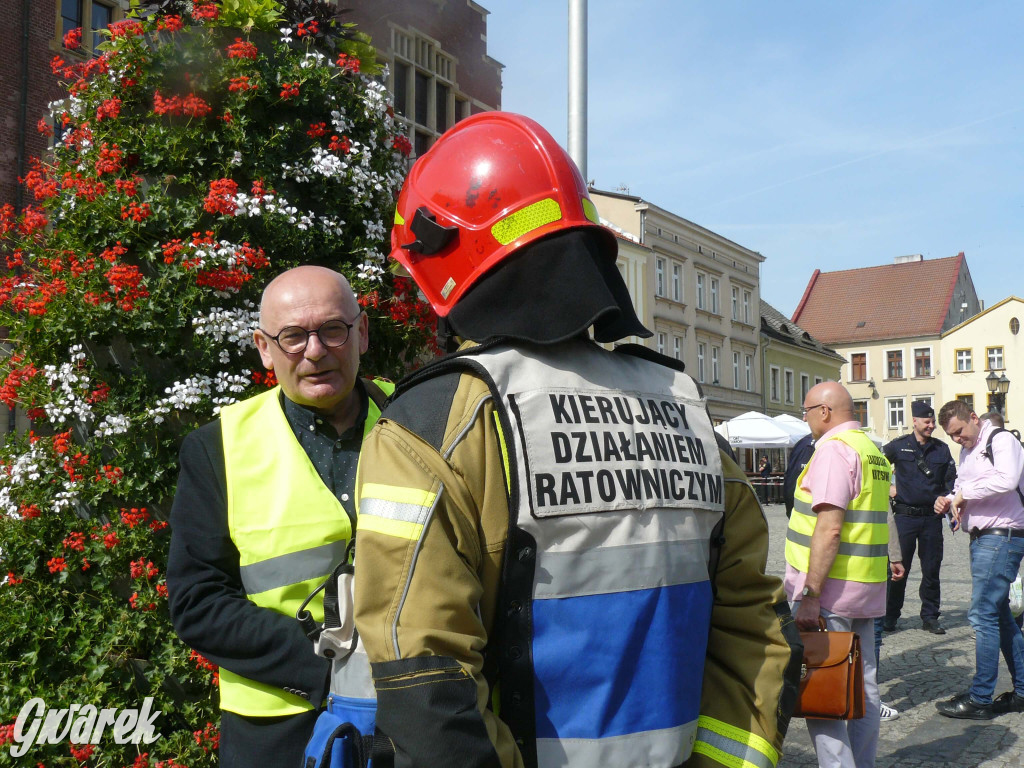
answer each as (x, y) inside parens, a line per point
(210, 145)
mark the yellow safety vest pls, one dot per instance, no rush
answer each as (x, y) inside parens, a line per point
(289, 528)
(864, 538)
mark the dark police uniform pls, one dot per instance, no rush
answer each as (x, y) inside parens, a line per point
(798, 457)
(921, 473)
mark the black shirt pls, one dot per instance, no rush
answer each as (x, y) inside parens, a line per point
(335, 457)
(921, 472)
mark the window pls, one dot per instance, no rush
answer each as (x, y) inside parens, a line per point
(661, 343)
(818, 380)
(995, 358)
(1014, 326)
(735, 303)
(746, 306)
(894, 364)
(426, 101)
(773, 383)
(860, 411)
(89, 15)
(859, 366)
(715, 309)
(922, 361)
(716, 365)
(967, 399)
(700, 290)
(701, 349)
(735, 370)
(805, 386)
(787, 378)
(963, 361)
(748, 371)
(894, 405)
(659, 277)
(677, 348)
(677, 282)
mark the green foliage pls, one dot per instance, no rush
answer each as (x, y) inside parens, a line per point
(194, 161)
(246, 14)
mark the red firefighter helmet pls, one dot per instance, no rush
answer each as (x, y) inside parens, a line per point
(492, 184)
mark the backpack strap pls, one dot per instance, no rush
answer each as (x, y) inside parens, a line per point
(375, 393)
(988, 455)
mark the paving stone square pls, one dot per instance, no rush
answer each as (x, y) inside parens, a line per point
(917, 669)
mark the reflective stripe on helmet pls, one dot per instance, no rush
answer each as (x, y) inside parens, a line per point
(590, 210)
(527, 219)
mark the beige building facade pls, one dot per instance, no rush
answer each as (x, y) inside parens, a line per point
(704, 295)
(986, 347)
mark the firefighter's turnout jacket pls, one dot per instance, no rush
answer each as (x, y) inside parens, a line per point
(536, 529)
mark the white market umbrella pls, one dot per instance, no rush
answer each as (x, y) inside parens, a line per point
(797, 427)
(755, 430)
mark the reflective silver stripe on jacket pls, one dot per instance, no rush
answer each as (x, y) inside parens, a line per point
(850, 516)
(292, 568)
(749, 756)
(845, 547)
(352, 678)
(618, 569)
(671, 746)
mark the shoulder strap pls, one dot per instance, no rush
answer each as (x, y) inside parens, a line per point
(375, 393)
(988, 455)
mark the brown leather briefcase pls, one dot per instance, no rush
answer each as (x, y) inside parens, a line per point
(831, 676)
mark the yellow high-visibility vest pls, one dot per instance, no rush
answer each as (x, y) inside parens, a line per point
(864, 538)
(289, 528)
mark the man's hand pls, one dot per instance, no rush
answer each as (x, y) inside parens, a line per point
(941, 505)
(897, 570)
(807, 614)
(892, 491)
(958, 506)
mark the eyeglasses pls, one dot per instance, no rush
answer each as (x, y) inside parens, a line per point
(293, 339)
(803, 411)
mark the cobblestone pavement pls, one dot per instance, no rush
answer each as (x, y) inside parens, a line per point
(917, 669)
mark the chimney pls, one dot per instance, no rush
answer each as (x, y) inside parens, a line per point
(909, 258)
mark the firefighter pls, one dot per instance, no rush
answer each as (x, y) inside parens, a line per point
(556, 564)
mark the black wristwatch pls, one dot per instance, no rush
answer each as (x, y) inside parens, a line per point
(808, 592)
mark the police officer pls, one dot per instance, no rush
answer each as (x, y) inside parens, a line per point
(799, 455)
(923, 470)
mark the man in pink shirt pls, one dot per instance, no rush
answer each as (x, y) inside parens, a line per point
(988, 502)
(837, 556)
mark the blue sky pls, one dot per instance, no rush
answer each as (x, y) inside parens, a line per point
(822, 134)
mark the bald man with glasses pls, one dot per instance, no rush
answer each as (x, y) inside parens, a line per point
(837, 556)
(264, 510)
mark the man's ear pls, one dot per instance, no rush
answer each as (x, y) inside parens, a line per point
(364, 333)
(263, 346)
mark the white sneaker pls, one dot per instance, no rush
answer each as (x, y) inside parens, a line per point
(887, 713)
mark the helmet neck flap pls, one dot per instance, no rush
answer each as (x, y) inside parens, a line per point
(551, 290)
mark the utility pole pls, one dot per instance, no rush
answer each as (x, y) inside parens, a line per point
(577, 134)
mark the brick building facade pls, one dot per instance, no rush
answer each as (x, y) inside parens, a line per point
(436, 52)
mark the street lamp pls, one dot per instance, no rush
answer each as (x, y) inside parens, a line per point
(998, 385)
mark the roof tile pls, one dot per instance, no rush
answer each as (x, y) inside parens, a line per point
(885, 302)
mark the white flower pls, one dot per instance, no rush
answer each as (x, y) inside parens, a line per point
(112, 424)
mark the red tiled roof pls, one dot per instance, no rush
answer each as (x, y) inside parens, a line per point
(886, 302)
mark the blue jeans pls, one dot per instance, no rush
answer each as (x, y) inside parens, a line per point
(994, 564)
